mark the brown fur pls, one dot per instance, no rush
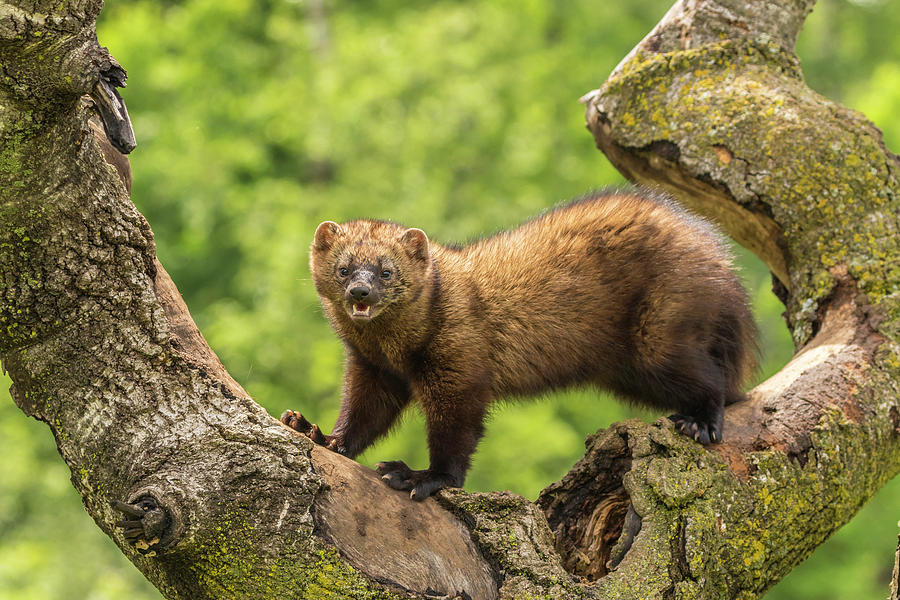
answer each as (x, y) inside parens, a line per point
(623, 290)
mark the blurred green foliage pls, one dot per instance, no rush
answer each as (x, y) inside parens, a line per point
(257, 120)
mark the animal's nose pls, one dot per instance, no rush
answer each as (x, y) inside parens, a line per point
(359, 292)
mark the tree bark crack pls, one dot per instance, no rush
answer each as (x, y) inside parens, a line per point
(679, 570)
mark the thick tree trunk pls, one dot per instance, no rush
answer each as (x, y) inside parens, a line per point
(895, 576)
(711, 106)
(227, 503)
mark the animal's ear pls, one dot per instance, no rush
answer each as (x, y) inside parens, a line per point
(415, 242)
(326, 234)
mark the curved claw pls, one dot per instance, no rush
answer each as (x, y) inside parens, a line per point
(316, 435)
(300, 424)
(335, 446)
(396, 474)
(697, 430)
(296, 421)
(421, 484)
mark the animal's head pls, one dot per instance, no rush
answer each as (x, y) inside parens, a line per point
(367, 268)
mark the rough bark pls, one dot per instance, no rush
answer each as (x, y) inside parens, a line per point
(100, 346)
(895, 575)
(710, 106)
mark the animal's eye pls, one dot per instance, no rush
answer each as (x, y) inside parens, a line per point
(343, 271)
(386, 274)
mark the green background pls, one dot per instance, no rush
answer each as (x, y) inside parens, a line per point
(256, 120)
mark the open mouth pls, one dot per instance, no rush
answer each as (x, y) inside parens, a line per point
(361, 310)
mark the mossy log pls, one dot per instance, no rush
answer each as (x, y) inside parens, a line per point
(224, 502)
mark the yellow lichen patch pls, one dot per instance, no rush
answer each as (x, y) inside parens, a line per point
(834, 191)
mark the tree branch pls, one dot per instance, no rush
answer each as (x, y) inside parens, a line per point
(711, 106)
(895, 575)
(221, 501)
(100, 346)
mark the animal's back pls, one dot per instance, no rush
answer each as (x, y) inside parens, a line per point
(606, 289)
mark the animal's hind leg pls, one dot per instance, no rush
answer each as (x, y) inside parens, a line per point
(695, 387)
(709, 386)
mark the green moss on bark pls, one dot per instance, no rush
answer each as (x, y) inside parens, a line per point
(742, 119)
(710, 534)
(513, 535)
(229, 564)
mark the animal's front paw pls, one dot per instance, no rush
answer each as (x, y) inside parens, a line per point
(298, 423)
(420, 484)
(696, 429)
